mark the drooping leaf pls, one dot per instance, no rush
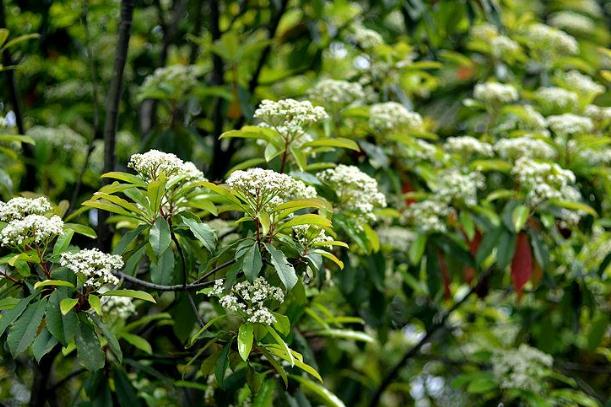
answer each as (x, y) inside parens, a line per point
(141, 295)
(159, 236)
(89, 352)
(251, 262)
(245, 340)
(25, 329)
(285, 270)
(522, 264)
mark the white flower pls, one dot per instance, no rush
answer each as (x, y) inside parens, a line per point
(551, 40)
(523, 368)
(533, 119)
(456, 186)
(503, 46)
(365, 37)
(496, 93)
(467, 145)
(18, 208)
(484, 32)
(396, 237)
(583, 84)
(569, 124)
(429, 215)
(250, 298)
(32, 229)
(94, 266)
(118, 307)
(514, 148)
(174, 81)
(154, 163)
(554, 99)
(357, 191)
(289, 117)
(542, 181)
(309, 235)
(571, 21)
(336, 94)
(419, 150)
(393, 116)
(598, 113)
(62, 137)
(266, 189)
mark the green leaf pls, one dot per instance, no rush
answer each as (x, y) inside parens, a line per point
(141, 295)
(277, 366)
(203, 329)
(43, 344)
(416, 249)
(159, 236)
(285, 270)
(481, 385)
(575, 206)
(63, 242)
(25, 328)
(113, 343)
(127, 395)
(221, 364)
(346, 334)
(283, 324)
(14, 313)
(519, 217)
(57, 283)
(202, 232)
(123, 176)
(95, 304)
(89, 351)
(138, 342)
(285, 348)
(81, 229)
(251, 262)
(265, 395)
(245, 339)
(308, 219)
(324, 395)
(67, 304)
(505, 249)
(63, 328)
(333, 142)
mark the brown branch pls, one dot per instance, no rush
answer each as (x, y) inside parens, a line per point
(414, 350)
(112, 111)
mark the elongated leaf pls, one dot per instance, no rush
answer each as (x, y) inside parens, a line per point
(25, 328)
(138, 341)
(123, 176)
(43, 344)
(95, 304)
(324, 395)
(56, 283)
(159, 236)
(285, 348)
(251, 262)
(333, 142)
(81, 229)
(14, 313)
(285, 270)
(89, 352)
(346, 334)
(245, 339)
(113, 343)
(522, 264)
(416, 249)
(519, 217)
(221, 364)
(308, 219)
(141, 295)
(277, 366)
(202, 232)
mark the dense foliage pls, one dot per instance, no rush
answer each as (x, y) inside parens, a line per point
(305, 203)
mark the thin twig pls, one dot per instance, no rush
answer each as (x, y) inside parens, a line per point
(413, 351)
(112, 110)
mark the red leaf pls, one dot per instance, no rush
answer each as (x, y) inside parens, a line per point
(469, 273)
(407, 187)
(522, 264)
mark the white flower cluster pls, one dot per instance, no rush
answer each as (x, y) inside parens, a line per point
(118, 307)
(32, 229)
(62, 137)
(467, 146)
(153, 163)
(309, 235)
(266, 189)
(583, 84)
(484, 32)
(27, 222)
(419, 150)
(514, 148)
(289, 117)
(572, 21)
(93, 265)
(542, 181)
(598, 113)
(393, 116)
(357, 191)
(495, 93)
(395, 237)
(551, 40)
(523, 368)
(250, 299)
(553, 99)
(19, 208)
(173, 81)
(569, 124)
(503, 46)
(532, 119)
(455, 186)
(365, 38)
(335, 94)
(429, 215)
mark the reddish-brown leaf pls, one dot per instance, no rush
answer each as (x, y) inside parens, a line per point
(522, 264)
(445, 276)
(469, 273)
(407, 187)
